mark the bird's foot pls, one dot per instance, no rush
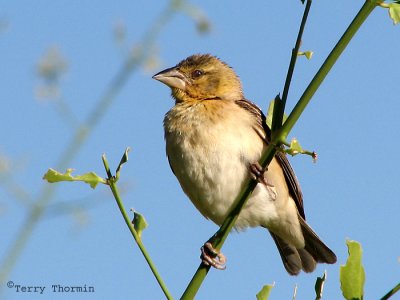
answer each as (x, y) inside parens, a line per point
(257, 173)
(212, 257)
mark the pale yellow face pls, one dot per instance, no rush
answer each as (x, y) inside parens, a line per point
(202, 77)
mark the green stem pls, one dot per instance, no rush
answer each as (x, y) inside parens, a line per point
(281, 135)
(384, 5)
(220, 236)
(278, 118)
(138, 240)
(362, 15)
(391, 292)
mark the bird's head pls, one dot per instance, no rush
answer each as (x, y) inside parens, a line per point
(201, 77)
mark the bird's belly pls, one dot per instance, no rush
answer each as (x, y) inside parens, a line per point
(213, 174)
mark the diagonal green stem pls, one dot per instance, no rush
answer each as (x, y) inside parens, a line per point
(319, 77)
(278, 118)
(391, 292)
(112, 183)
(221, 235)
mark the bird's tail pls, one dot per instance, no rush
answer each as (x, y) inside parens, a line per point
(306, 259)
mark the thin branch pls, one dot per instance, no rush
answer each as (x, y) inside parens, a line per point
(361, 16)
(221, 235)
(391, 292)
(278, 118)
(112, 183)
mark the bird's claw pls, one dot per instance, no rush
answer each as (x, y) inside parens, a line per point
(257, 173)
(212, 257)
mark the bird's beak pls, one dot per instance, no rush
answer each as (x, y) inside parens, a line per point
(172, 77)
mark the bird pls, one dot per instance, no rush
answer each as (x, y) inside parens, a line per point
(214, 139)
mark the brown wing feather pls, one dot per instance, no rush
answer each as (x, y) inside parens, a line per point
(264, 132)
(169, 162)
(292, 182)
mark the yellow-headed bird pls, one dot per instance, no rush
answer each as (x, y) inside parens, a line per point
(214, 139)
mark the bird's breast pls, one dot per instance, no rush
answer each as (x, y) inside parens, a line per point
(209, 148)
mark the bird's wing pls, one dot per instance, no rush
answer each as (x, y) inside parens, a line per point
(169, 162)
(264, 132)
(292, 182)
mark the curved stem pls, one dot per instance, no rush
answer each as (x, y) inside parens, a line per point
(112, 183)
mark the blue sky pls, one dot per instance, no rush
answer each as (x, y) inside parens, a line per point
(352, 123)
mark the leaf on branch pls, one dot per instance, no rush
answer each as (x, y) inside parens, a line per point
(139, 223)
(270, 113)
(394, 12)
(319, 286)
(124, 159)
(352, 274)
(90, 178)
(265, 291)
(307, 54)
(295, 148)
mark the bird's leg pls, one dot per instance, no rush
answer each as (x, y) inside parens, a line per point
(257, 173)
(212, 257)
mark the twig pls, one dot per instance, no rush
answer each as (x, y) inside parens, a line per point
(280, 108)
(112, 183)
(280, 137)
(391, 292)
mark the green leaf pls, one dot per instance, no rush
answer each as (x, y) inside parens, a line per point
(352, 275)
(394, 12)
(270, 113)
(319, 286)
(139, 223)
(124, 159)
(307, 54)
(90, 178)
(295, 147)
(265, 291)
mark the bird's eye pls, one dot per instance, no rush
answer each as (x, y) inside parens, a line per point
(197, 73)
